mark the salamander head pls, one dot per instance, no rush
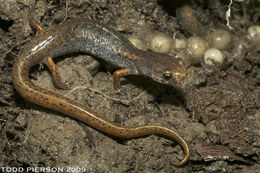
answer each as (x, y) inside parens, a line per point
(162, 68)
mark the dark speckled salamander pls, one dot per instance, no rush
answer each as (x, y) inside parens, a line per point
(83, 35)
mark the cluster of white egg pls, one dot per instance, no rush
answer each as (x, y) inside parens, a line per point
(208, 49)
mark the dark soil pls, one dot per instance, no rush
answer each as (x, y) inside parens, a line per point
(216, 111)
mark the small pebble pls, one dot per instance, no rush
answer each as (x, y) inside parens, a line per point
(20, 122)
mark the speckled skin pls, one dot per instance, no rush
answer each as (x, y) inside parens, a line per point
(83, 35)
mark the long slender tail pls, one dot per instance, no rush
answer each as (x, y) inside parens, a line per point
(50, 100)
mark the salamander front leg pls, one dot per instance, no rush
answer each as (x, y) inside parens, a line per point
(118, 74)
(55, 74)
(35, 24)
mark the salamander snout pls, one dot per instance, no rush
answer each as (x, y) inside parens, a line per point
(174, 73)
(162, 68)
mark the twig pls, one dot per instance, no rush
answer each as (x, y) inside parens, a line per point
(141, 94)
(228, 15)
(5, 111)
(66, 9)
(125, 102)
(160, 108)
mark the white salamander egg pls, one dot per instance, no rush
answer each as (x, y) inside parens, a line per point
(137, 42)
(254, 34)
(185, 58)
(179, 43)
(161, 42)
(196, 48)
(220, 39)
(213, 56)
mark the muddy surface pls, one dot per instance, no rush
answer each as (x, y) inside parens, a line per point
(216, 110)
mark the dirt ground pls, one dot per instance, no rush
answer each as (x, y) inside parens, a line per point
(216, 110)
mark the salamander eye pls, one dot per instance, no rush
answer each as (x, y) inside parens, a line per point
(167, 75)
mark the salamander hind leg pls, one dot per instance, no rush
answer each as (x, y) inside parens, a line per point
(55, 74)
